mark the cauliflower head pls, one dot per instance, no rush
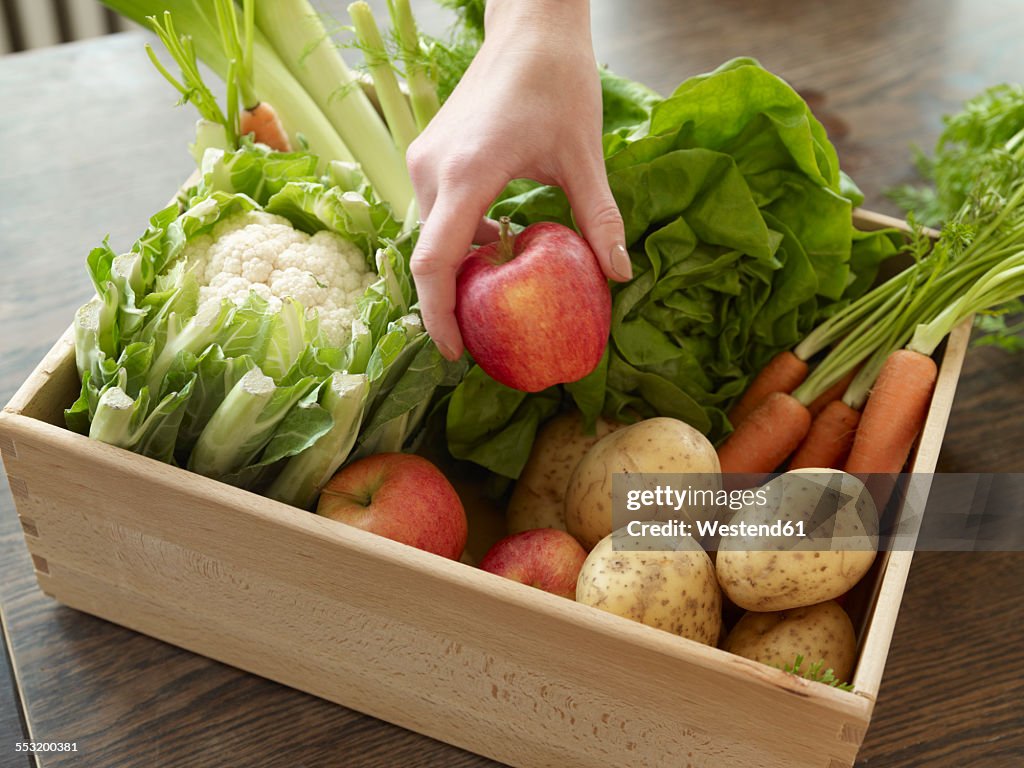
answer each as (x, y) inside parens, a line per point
(263, 253)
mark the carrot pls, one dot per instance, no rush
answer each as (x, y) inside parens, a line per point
(831, 394)
(262, 121)
(783, 373)
(894, 413)
(829, 440)
(767, 436)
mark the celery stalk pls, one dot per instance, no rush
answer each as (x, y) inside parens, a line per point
(422, 88)
(393, 102)
(298, 36)
(298, 111)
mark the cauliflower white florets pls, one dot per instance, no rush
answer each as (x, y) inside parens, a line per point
(263, 253)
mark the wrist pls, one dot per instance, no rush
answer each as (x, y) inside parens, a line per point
(568, 19)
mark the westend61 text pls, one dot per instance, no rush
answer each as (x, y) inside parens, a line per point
(704, 528)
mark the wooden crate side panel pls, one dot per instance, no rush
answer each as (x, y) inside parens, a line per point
(877, 639)
(106, 557)
(194, 512)
(258, 624)
(926, 456)
(471, 697)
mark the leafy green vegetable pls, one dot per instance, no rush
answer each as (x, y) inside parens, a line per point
(131, 423)
(250, 393)
(489, 423)
(991, 122)
(243, 423)
(740, 234)
(626, 105)
(342, 399)
(986, 132)
(400, 412)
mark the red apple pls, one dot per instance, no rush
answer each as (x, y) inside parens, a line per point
(546, 558)
(401, 496)
(534, 309)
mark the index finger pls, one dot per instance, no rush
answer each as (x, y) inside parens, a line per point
(443, 245)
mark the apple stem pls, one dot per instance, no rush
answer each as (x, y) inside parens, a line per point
(362, 499)
(505, 240)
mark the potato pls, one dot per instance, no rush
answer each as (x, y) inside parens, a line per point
(538, 500)
(670, 589)
(821, 632)
(777, 573)
(659, 445)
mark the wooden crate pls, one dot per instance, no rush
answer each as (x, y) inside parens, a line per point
(436, 646)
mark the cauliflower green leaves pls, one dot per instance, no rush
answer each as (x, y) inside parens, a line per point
(259, 323)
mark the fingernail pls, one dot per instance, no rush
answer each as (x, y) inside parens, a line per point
(621, 264)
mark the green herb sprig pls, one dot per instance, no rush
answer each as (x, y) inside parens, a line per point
(976, 143)
(815, 673)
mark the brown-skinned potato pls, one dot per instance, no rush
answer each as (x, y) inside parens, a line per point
(538, 500)
(666, 584)
(766, 573)
(821, 632)
(660, 445)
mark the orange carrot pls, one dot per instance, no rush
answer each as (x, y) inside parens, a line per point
(829, 440)
(262, 121)
(894, 413)
(783, 373)
(831, 394)
(767, 436)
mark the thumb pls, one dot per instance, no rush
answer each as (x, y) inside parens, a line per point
(599, 220)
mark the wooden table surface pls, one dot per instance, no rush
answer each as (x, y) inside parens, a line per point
(92, 145)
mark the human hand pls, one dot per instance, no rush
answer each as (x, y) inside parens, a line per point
(529, 106)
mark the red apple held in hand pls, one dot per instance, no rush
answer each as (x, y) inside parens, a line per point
(401, 496)
(546, 558)
(534, 309)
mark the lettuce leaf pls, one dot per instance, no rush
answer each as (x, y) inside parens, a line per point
(738, 223)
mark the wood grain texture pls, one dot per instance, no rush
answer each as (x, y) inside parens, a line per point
(349, 616)
(880, 76)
